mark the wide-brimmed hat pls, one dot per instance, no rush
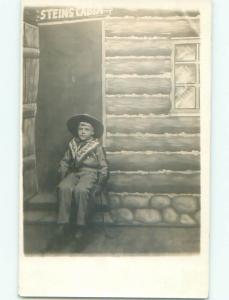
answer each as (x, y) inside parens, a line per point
(73, 124)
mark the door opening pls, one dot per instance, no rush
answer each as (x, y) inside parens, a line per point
(70, 83)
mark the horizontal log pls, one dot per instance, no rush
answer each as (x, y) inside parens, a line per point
(121, 12)
(138, 105)
(29, 163)
(28, 137)
(30, 185)
(138, 66)
(31, 79)
(137, 47)
(132, 161)
(153, 124)
(29, 110)
(155, 183)
(152, 27)
(31, 52)
(138, 85)
(153, 143)
(31, 36)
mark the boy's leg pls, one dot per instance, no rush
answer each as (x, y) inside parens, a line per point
(82, 196)
(65, 189)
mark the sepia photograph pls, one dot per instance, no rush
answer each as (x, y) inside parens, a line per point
(111, 139)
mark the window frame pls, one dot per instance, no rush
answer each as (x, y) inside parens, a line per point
(186, 111)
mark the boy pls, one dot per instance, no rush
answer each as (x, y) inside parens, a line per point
(82, 168)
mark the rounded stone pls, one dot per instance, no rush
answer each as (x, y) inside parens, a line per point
(107, 218)
(148, 216)
(159, 202)
(122, 215)
(186, 220)
(197, 217)
(169, 215)
(185, 204)
(135, 201)
(114, 201)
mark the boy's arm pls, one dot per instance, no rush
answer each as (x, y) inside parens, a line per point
(103, 171)
(65, 164)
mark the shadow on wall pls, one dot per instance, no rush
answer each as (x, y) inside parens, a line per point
(70, 83)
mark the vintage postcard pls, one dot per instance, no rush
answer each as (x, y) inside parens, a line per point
(115, 149)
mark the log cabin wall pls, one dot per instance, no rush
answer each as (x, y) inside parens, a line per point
(152, 151)
(30, 88)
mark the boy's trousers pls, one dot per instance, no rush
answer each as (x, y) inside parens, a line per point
(76, 187)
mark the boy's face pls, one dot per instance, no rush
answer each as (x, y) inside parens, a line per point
(85, 131)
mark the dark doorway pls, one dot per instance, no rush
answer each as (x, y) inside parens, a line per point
(70, 83)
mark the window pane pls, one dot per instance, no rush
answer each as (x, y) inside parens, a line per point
(185, 52)
(185, 73)
(185, 97)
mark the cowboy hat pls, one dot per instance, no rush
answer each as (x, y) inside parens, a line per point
(73, 124)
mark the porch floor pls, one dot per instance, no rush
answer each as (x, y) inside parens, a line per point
(113, 240)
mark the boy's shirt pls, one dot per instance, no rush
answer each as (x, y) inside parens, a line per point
(89, 154)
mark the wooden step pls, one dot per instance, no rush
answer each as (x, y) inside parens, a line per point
(158, 182)
(42, 201)
(153, 124)
(153, 27)
(138, 105)
(40, 217)
(153, 142)
(133, 161)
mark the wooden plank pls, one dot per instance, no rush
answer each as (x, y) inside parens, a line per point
(31, 79)
(138, 66)
(30, 185)
(28, 136)
(40, 217)
(152, 27)
(155, 183)
(24, 82)
(132, 161)
(42, 201)
(29, 110)
(153, 143)
(153, 124)
(29, 163)
(138, 105)
(30, 15)
(31, 36)
(31, 52)
(137, 47)
(122, 12)
(138, 85)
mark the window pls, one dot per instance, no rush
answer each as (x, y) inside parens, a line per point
(186, 78)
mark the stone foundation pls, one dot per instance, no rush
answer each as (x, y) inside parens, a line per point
(151, 209)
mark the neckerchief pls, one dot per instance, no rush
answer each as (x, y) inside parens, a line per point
(80, 154)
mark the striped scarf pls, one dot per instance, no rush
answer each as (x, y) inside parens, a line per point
(78, 153)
